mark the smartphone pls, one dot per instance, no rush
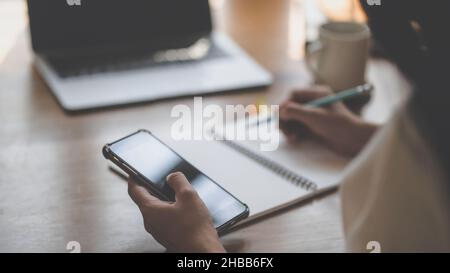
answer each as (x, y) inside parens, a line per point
(145, 157)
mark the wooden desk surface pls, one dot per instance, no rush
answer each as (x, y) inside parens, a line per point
(54, 184)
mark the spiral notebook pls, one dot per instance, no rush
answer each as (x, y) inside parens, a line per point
(307, 165)
(266, 181)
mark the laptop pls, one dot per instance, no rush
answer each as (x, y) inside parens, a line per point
(102, 53)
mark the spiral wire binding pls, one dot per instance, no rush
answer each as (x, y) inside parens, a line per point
(287, 174)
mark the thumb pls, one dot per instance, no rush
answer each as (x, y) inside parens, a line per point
(309, 116)
(181, 186)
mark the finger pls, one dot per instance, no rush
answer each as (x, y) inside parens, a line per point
(285, 126)
(181, 186)
(309, 116)
(141, 196)
(294, 130)
(291, 138)
(288, 127)
(307, 95)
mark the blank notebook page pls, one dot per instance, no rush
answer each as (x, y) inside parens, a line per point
(262, 189)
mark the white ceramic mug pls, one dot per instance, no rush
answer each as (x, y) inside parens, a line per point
(339, 57)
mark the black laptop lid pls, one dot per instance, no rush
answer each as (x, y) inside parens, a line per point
(87, 27)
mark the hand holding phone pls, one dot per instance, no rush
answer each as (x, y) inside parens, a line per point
(145, 158)
(183, 226)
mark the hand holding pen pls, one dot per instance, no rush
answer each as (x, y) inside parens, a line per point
(319, 112)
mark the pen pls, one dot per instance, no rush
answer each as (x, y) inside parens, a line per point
(342, 95)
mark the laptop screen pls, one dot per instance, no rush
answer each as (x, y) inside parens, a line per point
(85, 27)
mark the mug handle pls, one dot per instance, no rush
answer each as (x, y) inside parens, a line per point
(313, 51)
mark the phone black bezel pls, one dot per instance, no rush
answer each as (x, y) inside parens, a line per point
(114, 158)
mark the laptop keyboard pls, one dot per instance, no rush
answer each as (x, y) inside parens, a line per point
(87, 66)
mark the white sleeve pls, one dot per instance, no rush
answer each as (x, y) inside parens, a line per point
(394, 194)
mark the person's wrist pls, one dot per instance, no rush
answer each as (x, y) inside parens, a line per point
(210, 244)
(202, 242)
(364, 132)
(367, 129)
(216, 248)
